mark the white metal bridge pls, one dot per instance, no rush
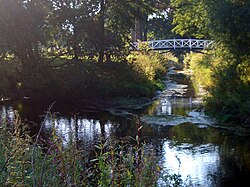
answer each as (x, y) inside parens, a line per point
(174, 44)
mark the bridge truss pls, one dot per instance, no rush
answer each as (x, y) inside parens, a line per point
(175, 44)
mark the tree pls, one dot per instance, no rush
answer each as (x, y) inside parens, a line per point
(102, 26)
(226, 23)
(152, 20)
(69, 20)
(115, 22)
(20, 32)
(190, 18)
(229, 24)
(160, 26)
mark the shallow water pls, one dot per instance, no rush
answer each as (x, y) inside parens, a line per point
(175, 126)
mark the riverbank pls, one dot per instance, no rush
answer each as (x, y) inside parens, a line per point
(201, 68)
(226, 79)
(74, 128)
(138, 76)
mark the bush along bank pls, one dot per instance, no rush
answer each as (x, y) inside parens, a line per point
(227, 79)
(138, 76)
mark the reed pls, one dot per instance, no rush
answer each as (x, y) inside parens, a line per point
(33, 161)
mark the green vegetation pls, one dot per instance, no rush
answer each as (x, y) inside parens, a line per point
(230, 95)
(201, 67)
(81, 50)
(228, 85)
(224, 71)
(53, 162)
(75, 49)
(138, 77)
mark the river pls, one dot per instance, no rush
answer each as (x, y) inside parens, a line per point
(174, 125)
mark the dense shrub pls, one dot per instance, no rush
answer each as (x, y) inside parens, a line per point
(201, 66)
(226, 77)
(151, 64)
(85, 79)
(230, 94)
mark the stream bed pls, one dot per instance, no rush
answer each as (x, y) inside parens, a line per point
(175, 126)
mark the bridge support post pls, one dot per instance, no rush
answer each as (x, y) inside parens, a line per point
(190, 43)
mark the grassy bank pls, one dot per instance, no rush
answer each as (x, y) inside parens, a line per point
(138, 76)
(226, 77)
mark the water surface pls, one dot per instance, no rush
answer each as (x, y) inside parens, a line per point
(201, 155)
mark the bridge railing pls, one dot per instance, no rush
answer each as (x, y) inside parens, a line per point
(176, 44)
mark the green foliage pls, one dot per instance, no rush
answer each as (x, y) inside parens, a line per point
(21, 37)
(160, 26)
(85, 78)
(99, 27)
(49, 49)
(227, 82)
(190, 18)
(54, 163)
(106, 80)
(225, 21)
(202, 68)
(15, 150)
(9, 67)
(229, 24)
(244, 70)
(226, 72)
(230, 95)
(151, 64)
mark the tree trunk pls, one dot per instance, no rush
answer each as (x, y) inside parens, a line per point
(108, 57)
(75, 41)
(145, 30)
(75, 47)
(102, 33)
(137, 32)
(101, 56)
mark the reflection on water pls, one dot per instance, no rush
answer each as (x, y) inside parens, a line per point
(7, 114)
(174, 106)
(86, 127)
(87, 130)
(165, 107)
(196, 165)
(202, 156)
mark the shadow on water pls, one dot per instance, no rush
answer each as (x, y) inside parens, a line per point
(203, 156)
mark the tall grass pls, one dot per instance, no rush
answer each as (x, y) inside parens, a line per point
(49, 162)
